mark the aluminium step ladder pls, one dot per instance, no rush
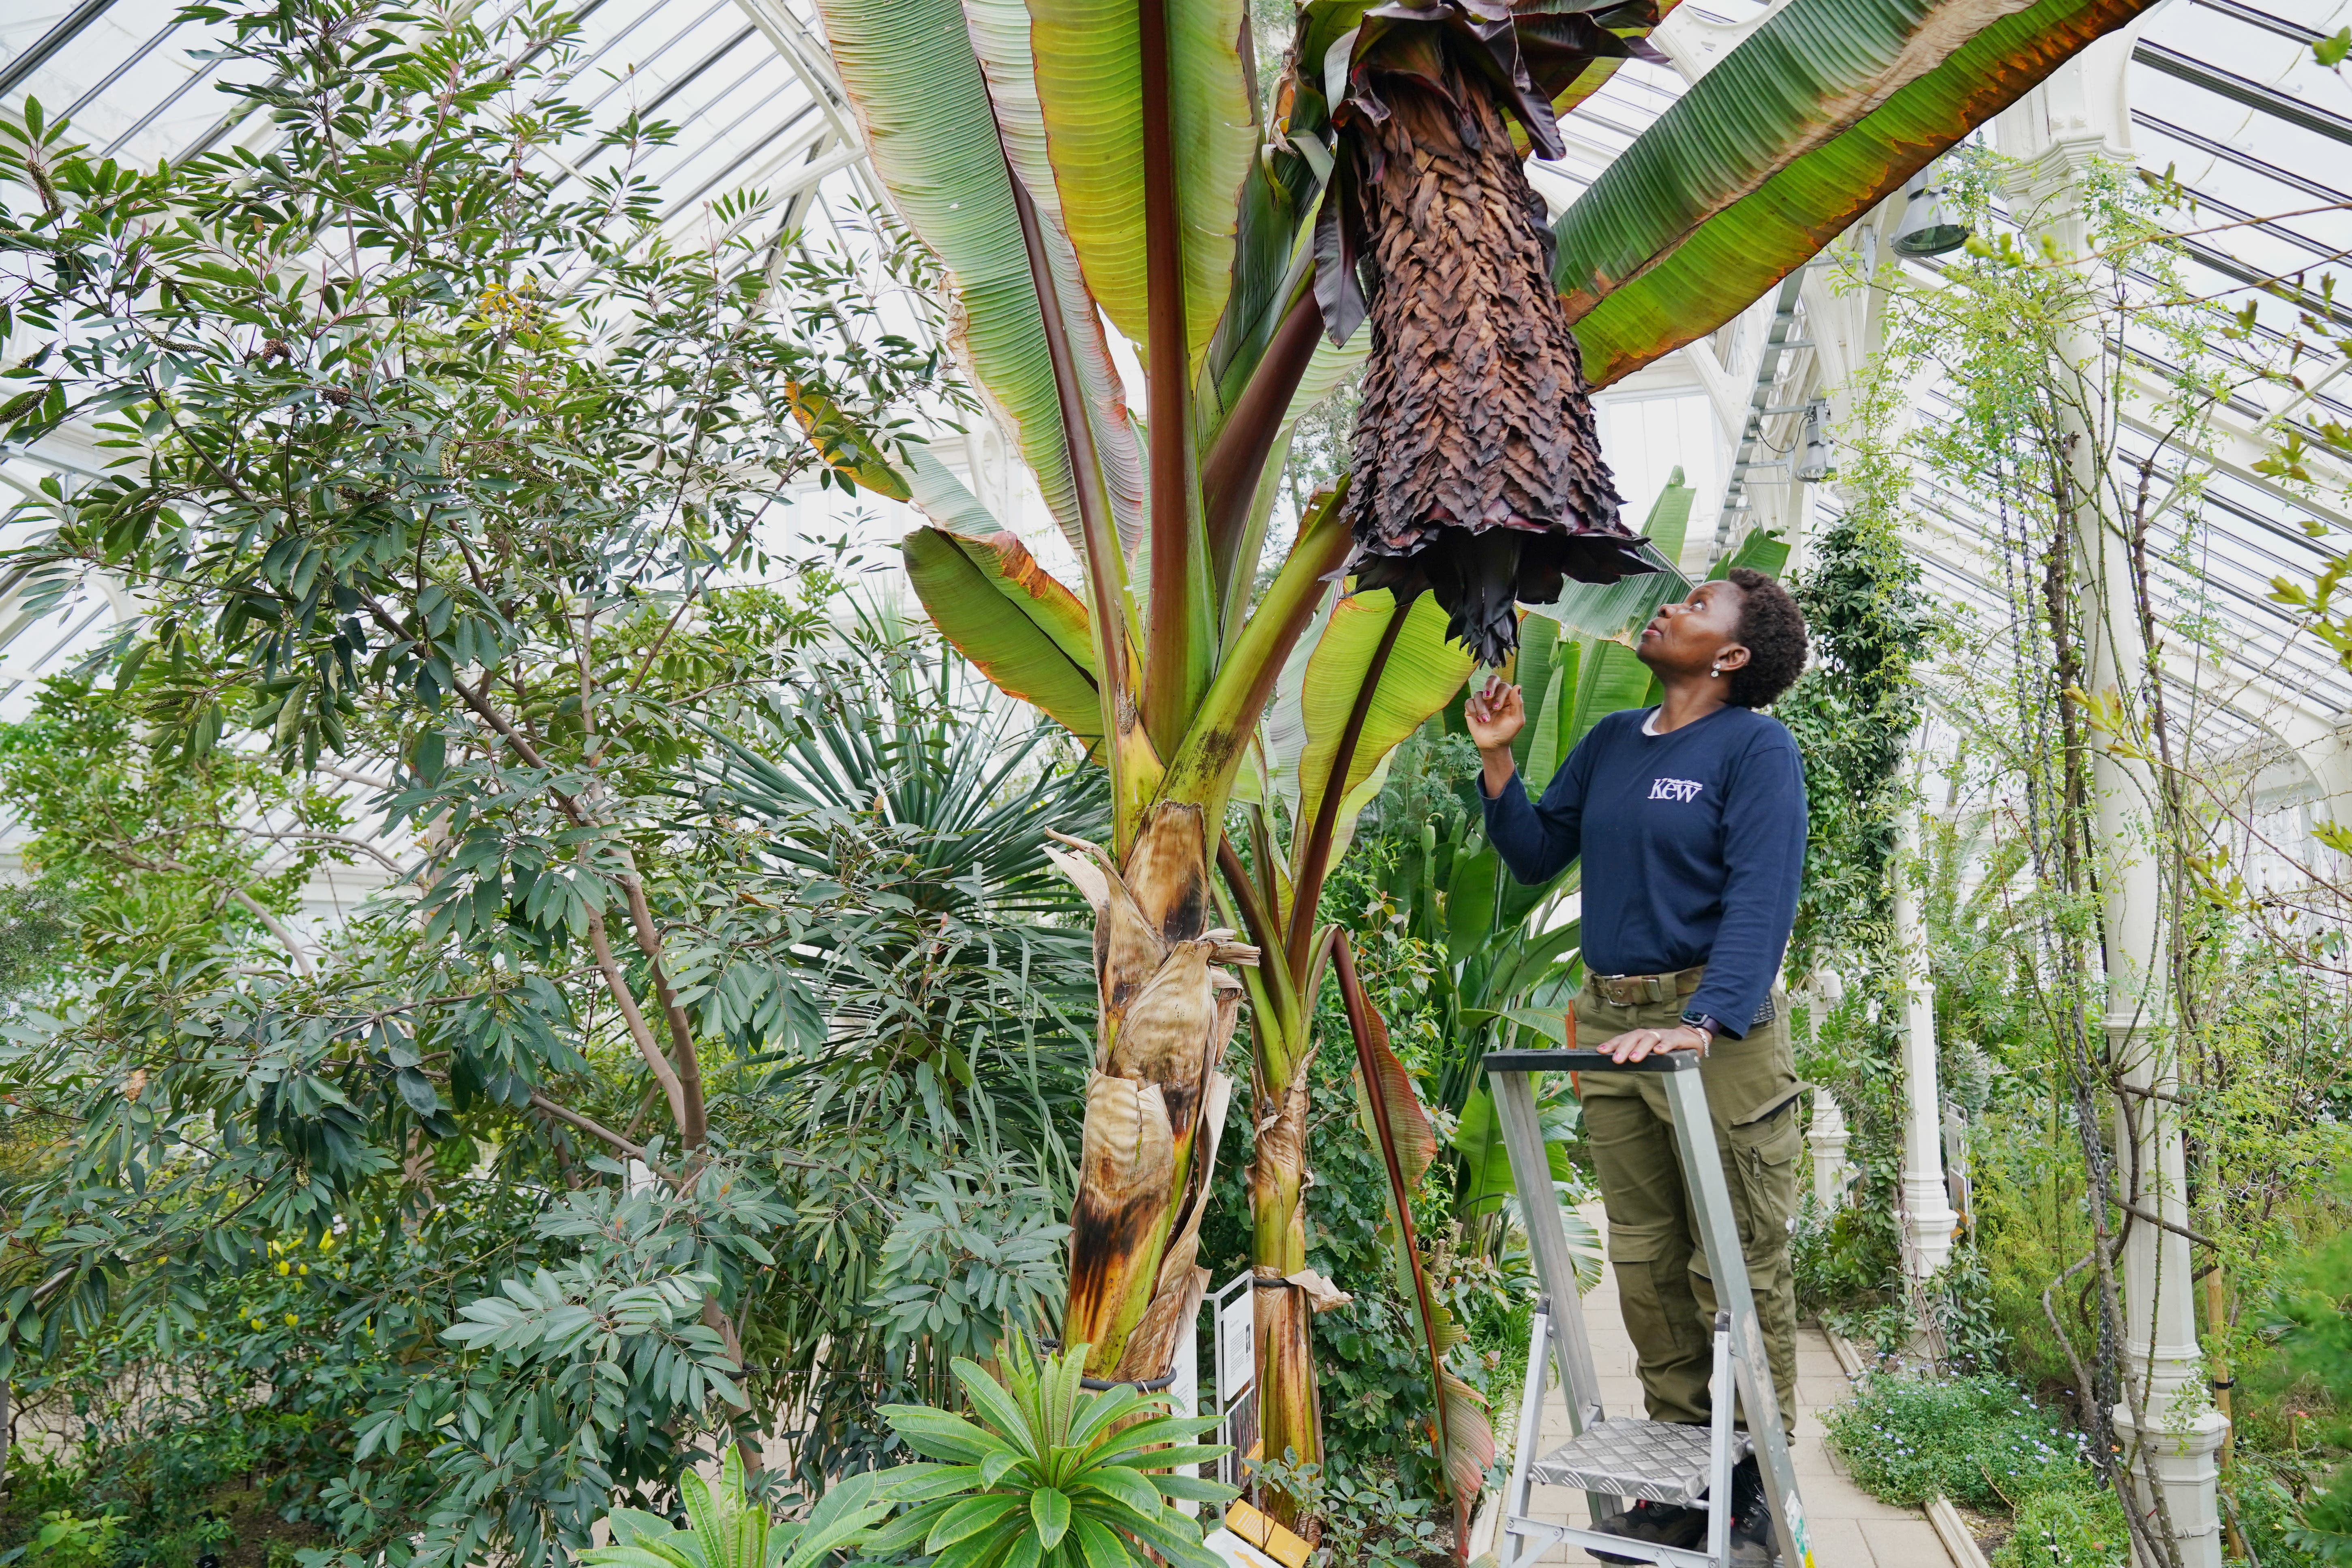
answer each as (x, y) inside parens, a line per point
(1611, 1460)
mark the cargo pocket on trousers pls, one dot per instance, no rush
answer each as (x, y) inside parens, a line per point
(1764, 1164)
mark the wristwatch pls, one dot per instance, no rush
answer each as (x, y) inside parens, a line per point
(1705, 1025)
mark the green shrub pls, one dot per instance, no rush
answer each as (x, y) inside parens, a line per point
(1369, 1518)
(1976, 1440)
(1368, 1523)
(1843, 1256)
(2259, 1489)
(2080, 1527)
(2314, 1333)
(65, 1540)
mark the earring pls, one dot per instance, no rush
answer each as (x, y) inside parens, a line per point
(1715, 674)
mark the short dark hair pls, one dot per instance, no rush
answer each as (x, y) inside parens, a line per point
(1772, 629)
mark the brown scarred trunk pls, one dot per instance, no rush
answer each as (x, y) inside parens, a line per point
(1289, 1418)
(1157, 1103)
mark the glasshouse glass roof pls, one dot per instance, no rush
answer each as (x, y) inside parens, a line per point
(524, 937)
(2223, 98)
(2226, 100)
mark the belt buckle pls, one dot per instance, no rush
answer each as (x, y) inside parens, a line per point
(1632, 989)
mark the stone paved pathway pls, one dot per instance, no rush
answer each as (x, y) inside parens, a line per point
(1850, 1528)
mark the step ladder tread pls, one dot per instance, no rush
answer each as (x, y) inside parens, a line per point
(1663, 1461)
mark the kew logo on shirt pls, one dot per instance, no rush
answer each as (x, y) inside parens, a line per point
(1683, 789)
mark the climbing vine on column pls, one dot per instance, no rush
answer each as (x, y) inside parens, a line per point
(1852, 714)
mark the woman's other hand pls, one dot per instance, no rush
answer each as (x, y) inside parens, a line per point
(1497, 713)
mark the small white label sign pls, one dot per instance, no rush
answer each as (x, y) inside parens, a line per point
(1237, 1357)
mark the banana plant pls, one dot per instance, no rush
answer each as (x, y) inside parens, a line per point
(1497, 959)
(1092, 170)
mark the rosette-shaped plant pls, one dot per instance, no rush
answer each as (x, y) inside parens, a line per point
(725, 1527)
(1479, 473)
(1048, 1474)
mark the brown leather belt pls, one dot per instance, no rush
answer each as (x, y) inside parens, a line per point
(1632, 990)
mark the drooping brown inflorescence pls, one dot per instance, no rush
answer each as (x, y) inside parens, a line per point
(1478, 472)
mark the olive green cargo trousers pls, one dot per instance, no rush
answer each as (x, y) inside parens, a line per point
(1662, 1286)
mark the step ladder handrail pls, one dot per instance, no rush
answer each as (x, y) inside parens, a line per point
(1515, 1108)
(1726, 1263)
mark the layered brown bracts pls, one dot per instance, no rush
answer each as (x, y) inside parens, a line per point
(1479, 473)
(1156, 1104)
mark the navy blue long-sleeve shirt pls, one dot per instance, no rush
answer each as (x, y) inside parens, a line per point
(1692, 844)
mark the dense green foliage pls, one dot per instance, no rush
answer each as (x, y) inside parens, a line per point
(2008, 882)
(925, 1218)
(716, 1002)
(1854, 715)
(1980, 1443)
(1854, 711)
(1394, 890)
(701, 1077)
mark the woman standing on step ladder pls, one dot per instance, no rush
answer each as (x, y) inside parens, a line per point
(1691, 820)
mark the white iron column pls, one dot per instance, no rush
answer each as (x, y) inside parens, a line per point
(1924, 1207)
(1829, 1136)
(2075, 116)
(2161, 1358)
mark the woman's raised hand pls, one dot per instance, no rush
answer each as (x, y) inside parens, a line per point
(1496, 714)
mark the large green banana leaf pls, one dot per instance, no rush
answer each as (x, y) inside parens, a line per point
(1815, 117)
(1552, 662)
(1531, 957)
(1000, 38)
(1329, 365)
(1089, 84)
(1545, 673)
(1423, 669)
(1486, 1164)
(1610, 677)
(1549, 746)
(1272, 774)
(910, 73)
(1763, 551)
(1470, 903)
(1622, 609)
(1006, 613)
(943, 497)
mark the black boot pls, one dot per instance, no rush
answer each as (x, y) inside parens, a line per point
(1659, 1523)
(1751, 1518)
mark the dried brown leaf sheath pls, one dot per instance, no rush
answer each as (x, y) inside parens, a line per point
(1128, 1163)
